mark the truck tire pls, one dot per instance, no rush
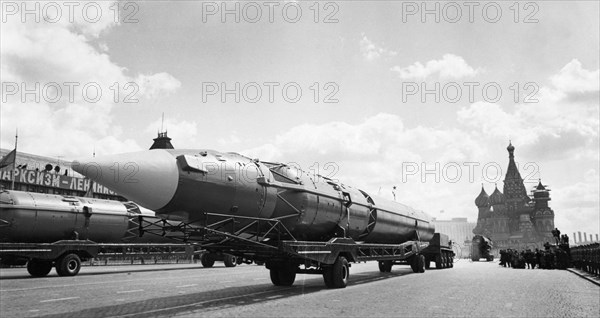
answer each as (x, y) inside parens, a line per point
(283, 276)
(385, 266)
(438, 261)
(39, 268)
(68, 265)
(207, 260)
(418, 263)
(421, 263)
(229, 260)
(337, 275)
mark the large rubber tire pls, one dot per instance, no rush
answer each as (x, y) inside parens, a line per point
(421, 263)
(68, 265)
(385, 266)
(39, 268)
(283, 276)
(229, 260)
(438, 261)
(340, 272)
(413, 263)
(207, 260)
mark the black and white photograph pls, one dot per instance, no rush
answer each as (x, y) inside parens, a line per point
(300, 158)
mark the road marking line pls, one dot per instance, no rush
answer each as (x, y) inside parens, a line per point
(190, 285)
(259, 278)
(129, 291)
(57, 299)
(202, 302)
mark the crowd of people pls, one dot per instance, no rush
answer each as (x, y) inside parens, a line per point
(549, 258)
(587, 258)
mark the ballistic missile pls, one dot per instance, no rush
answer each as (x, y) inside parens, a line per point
(205, 186)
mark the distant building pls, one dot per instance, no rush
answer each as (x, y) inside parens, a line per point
(47, 175)
(514, 219)
(459, 230)
(162, 142)
(42, 174)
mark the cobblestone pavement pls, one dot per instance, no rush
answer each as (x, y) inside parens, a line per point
(469, 289)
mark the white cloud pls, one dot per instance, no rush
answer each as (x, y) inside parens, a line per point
(576, 206)
(450, 66)
(52, 54)
(574, 78)
(371, 52)
(155, 85)
(555, 122)
(370, 155)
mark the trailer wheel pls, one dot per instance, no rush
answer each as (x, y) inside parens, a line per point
(418, 264)
(68, 265)
(207, 260)
(385, 266)
(229, 260)
(283, 276)
(337, 275)
(438, 262)
(39, 268)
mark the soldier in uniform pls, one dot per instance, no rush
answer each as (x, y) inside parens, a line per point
(538, 258)
(556, 234)
(530, 259)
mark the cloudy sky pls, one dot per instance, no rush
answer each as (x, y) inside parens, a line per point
(376, 94)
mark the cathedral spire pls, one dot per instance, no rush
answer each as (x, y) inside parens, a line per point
(514, 189)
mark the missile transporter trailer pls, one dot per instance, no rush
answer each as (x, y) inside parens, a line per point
(47, 230)
(291, 220)
(67, 255)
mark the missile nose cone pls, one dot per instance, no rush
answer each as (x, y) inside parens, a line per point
(149, 178)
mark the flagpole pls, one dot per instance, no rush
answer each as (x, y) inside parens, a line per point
(14, 167)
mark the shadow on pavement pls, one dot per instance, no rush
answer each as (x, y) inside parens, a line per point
(226, 297)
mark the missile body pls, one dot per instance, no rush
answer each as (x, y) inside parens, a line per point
(187, 184)
(29, 217)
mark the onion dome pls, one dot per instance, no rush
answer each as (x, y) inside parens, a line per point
(483, 199)
(510, 147)
(497, 197)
